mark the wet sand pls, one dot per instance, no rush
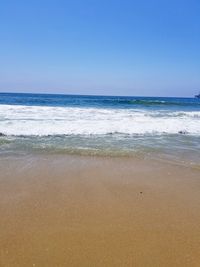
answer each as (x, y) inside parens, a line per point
(58, 210)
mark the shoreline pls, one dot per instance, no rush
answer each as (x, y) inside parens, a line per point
(103, 155)
(69, 210)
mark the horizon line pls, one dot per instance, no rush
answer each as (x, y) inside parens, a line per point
(70, 94)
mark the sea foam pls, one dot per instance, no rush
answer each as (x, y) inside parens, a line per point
(44, 120)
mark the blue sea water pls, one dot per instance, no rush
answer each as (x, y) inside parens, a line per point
(59, 100)
(101, 125)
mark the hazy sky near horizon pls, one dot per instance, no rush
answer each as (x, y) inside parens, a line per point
(114, 47)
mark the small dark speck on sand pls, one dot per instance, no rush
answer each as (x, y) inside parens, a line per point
(141, 192)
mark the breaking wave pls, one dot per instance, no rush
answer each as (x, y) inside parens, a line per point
(44, 120)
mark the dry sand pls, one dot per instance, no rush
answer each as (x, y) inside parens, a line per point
(60, 210)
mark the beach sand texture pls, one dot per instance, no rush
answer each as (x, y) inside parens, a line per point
(59, 210)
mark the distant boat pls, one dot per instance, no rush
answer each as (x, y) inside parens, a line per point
(198, 96)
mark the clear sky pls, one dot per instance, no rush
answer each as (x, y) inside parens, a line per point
(114, 47)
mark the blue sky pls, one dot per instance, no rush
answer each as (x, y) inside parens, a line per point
(109, 47)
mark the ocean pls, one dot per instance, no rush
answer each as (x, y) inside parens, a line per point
(150, 127)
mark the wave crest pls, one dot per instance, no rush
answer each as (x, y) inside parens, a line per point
(44, 121)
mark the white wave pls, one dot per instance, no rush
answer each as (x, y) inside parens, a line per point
(33, 120)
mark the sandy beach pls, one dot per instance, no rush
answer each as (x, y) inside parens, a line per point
(100, 133)
(59, 210)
